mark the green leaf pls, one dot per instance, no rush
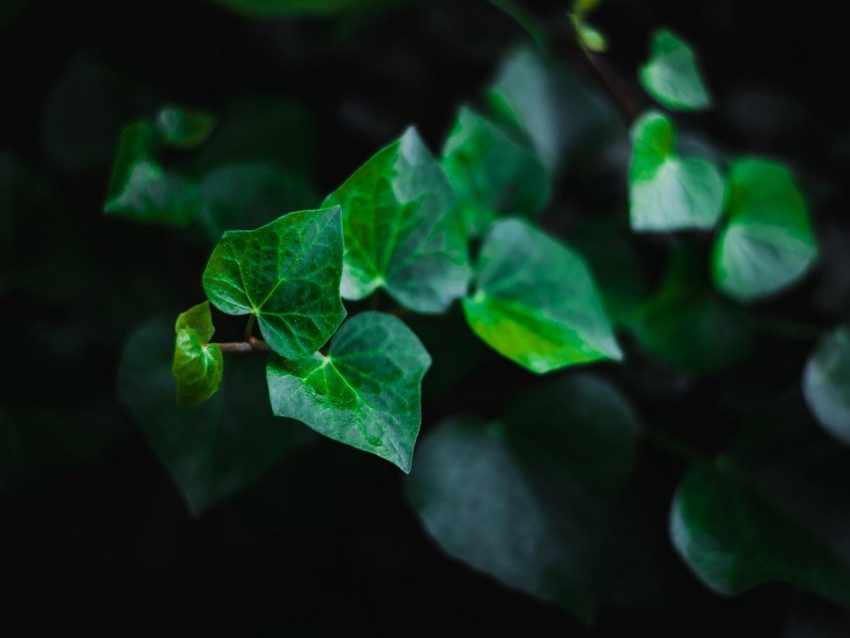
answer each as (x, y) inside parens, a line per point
(491, 172)
(402, 229)
(536, 303)
(183, 128)
(214, 449)
(767, 515)
(198, 365)
(668, 192)
(589, 37)
(671, 76)
(365, 392)
(287, 274)
(767, 243)
(142, 190)
(530, 501)
(826, 383)
(283, 8)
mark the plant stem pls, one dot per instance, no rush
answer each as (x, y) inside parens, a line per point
(251, 344)
(625, 104)
(250, 326)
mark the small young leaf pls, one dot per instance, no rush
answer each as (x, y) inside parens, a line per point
(365, 392)
(671, 75)
(536, 303)
(402, 229)
(667, 192)
(287, 273)
(530, 502)
(198, 365)
(588, 36)
(491, 172)
(767, 243)
(183, 128)
(826, 383)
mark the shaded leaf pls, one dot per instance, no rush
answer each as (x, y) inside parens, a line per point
(287, 274)
(198, 365)
(535, 301)
(671, 75)
(402, 230)
(767, 243)
(365, 392)
(183, 128)
(668, 192)
(826, 383)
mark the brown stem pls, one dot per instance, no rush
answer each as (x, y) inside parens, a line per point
(252, 344)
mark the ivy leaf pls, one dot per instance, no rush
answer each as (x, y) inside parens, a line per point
(491, 172)
(826, 383)
(402, 230)
(183, 128)
(287, 274)
(767, 243)
(198, 365)
(365, 392)
(668, 192)
(671, 76)
(214, 449)
(536, 303)
(528, 501)
(767, 515)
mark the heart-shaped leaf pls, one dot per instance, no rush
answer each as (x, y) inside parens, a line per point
(287, 274)
(671, 75)
(365, 392)
(826, 383)
(535, 301)
(198, 365)
(668, 192)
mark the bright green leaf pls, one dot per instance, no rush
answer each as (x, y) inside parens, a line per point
(671, 75)
(536, 303)
(491, 172)
(198, 365)
(365, 392)
(826, 383)
(402, 229)
(287, 273)
(768, 243)
(668, 192)
(183, 128)
(214, 449)
(531, 501)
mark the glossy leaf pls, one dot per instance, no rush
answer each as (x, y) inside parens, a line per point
(287, 274)
(768, 243)
(183, 128)
(671, 75)
(214, 449)
(530, 501)
(535, 301)
(402, 229)
(198, 365)
(826, 383)
(365, 392)
(491, 172)
(668, 192)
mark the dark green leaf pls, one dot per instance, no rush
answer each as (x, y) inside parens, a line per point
(535, 301)
(668, 192)
(287, 274)
(671, 75)
(214, 449)
(402, 229)
(198, 365)
(183, 128)
(826, 383)
(365, 392)
(768, 243)
(491, 172)
(531, 502)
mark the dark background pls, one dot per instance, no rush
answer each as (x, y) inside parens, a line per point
(324, 545)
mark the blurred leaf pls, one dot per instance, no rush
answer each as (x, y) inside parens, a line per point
(214, 449)
(668, 192)
(671, 75)
(365, 392)
(286, 8)
(687, 325)
(585, 7)
(287, 274)
(402, 229)
(197, 365)
(183, 128)
(246, 195)
(767, 243)
(491, 172)
(531, 502)
(826, 383)
(535, 301)
(588, 36)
